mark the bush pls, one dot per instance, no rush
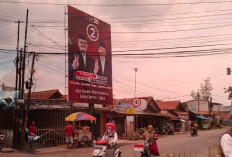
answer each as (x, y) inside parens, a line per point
(140, 130)
(135, 135)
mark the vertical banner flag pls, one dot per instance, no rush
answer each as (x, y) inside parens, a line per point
(89, 59)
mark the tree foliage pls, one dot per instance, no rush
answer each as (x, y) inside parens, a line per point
(205, 91)
(229, 90)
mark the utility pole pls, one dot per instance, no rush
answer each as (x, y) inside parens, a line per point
(198, 101)
(210, 105)
(20, 73)
(135, 69)
(17, 60)
(32, 71)
(15, 122)
(22, 87)
(136, 116)
(24, 55)
(65, 50)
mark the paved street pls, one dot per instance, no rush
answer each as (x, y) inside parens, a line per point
(182, 143)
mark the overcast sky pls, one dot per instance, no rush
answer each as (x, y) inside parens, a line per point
(194, 39)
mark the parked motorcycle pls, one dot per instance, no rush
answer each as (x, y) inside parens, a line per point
(100, 149)
(163, 131)
(170, 132)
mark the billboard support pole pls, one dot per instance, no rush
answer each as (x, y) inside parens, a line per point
(91, 112)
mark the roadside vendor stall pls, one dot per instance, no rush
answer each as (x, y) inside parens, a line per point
(204, 123)
(82, 134)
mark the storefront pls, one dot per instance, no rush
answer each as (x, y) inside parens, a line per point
(203, 122)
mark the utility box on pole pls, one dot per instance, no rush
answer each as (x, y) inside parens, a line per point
(228, 71)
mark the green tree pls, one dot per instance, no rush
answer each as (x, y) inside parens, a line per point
(205, 91)
(229, 90)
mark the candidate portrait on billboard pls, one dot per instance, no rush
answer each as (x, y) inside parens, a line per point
(89, 58)
(79, 60)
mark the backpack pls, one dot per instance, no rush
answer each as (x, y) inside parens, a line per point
(220, 151)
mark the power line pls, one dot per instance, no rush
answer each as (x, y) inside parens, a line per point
(51, 68)
(171, 14)
(172, 18)
(166, 31)
(121, 5)
(200, 41)
(183, 38)
(52, 64)
(169, 48)
(149, 86)
(39, 45)
(128, 86)
(179, 97)
(47, 37)
(169, 31)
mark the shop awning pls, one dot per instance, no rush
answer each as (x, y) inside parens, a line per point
(166, 115)
(201, 117)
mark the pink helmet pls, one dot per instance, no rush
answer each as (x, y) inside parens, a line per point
(111, 125)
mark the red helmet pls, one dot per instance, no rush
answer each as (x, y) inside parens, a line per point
(111, 125)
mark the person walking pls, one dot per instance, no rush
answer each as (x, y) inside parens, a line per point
(69, 130)
(31, 135)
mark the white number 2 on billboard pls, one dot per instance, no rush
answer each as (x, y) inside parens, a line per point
(92, 32)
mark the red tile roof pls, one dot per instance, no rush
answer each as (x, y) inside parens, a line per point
(45, 94)
(167, 105)
(171, 116)
(181, 113)
(225, 116)
(63, 97)
(207, 112)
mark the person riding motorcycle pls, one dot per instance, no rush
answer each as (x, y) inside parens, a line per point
(111, 137)
(194, 127)
(150, 133)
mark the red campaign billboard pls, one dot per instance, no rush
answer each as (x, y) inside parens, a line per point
(89, 59)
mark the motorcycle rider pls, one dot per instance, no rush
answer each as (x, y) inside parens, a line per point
(194, 127)
(111, 137)
(153, 137)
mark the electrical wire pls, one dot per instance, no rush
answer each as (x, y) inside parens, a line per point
(147, 20)
(51, 68)
(121, 5)
(47, 37)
